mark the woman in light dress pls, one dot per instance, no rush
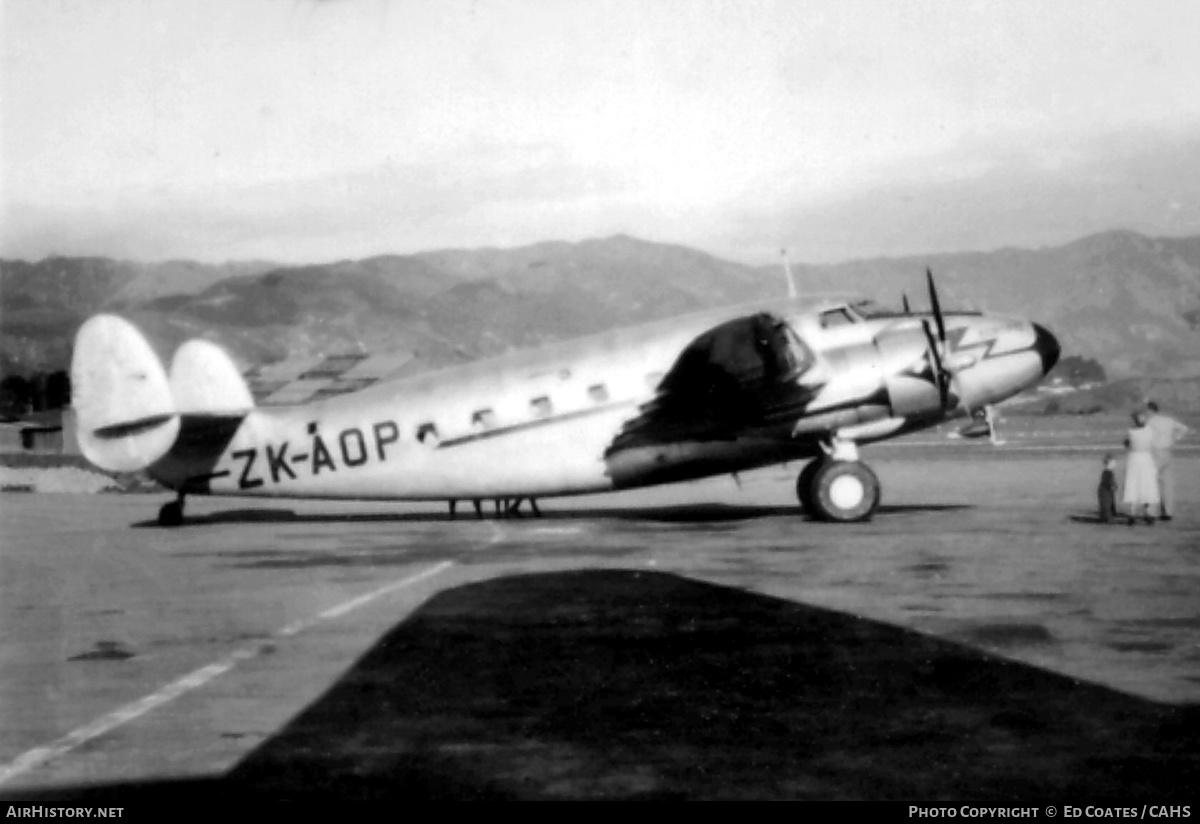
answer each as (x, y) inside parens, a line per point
(1141, 475)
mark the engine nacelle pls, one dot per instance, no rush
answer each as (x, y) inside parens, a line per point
(907, 373)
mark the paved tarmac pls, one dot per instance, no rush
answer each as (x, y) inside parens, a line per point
(694, 641)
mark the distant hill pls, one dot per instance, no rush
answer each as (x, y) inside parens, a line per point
(43, 303)
(1131, 302)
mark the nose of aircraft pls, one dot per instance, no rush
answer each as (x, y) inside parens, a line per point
(1047, 347)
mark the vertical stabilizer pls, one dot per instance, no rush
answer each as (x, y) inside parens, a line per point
(205, 380)
(122, 398)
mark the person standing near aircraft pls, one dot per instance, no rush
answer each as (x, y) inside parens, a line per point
(1167, 432)
(1141, 476)
(1107, 490)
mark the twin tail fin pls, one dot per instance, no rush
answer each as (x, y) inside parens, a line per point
(129, 407)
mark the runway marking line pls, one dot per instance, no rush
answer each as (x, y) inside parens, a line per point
(175, 689)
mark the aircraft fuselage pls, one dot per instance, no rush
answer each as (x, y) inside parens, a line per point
(620, 409)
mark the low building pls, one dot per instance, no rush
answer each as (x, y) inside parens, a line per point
(52, 432)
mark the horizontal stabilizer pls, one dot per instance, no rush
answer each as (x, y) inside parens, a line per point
(125, 430)
(204, 380)
(121, 395)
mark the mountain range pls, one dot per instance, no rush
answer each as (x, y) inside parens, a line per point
(1128, 301)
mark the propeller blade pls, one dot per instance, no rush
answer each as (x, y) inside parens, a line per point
(939, 373)
(936, 306)
(904, 297)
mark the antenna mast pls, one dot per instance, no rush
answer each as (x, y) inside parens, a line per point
(787, 271)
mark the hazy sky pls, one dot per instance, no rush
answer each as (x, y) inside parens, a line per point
(303, 131)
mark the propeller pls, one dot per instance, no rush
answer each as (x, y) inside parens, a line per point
(904, 298)
(941, 374)
(936, 307)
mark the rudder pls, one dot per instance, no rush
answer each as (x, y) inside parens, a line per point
(205, 380)
(126, 412)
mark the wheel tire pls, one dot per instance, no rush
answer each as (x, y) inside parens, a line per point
(171, 514)
(804, 486)
(845, 491)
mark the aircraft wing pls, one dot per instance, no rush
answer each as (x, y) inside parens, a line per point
(737, 378)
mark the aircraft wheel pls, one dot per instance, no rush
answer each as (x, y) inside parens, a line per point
(804, 486)
(171, 514)
(845, 491)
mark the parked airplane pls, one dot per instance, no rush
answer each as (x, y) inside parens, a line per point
(711, 393)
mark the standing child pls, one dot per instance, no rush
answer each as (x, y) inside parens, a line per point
(1107, 490)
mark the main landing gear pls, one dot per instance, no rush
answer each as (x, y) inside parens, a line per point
(171, 513)
(832, 489)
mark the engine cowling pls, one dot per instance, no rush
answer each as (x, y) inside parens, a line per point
(907, 373)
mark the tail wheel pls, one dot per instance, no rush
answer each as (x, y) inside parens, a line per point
(844, 491)
(171, 514)
(804, 486)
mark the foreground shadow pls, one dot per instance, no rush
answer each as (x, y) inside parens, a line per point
(682, 513)
(640, 685)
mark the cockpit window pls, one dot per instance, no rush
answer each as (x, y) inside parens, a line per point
(834, 318)
(870, 309)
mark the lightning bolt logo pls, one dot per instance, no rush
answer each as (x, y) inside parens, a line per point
(923, 369)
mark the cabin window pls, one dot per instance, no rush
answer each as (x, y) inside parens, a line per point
(427, 434)
(541, 407)
(483, 419)
(835, 318)
(598, 393)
